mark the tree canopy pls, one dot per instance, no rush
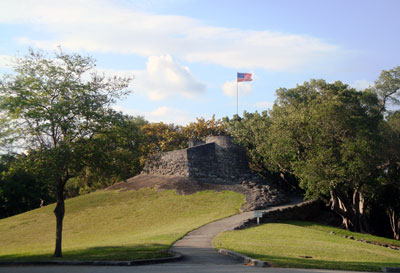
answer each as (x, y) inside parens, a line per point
(56, 108)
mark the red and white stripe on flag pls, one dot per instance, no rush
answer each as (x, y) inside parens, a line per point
(244, 77)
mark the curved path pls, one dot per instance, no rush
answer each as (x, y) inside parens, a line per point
(197, 247)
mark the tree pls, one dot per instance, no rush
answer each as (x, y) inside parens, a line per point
(161, 137)
(326, 135)
(117, 151)
(390, 172)
(203, 128)
(252, 132)
(20, 190)
(387, 87)
(54, 108)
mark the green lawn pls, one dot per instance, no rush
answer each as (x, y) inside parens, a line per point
(309, 245)
(114, 225)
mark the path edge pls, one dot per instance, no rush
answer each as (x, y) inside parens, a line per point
(174, 258)
(244, 259)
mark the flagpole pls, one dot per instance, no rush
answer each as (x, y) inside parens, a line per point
(244, 77)
(237, 97)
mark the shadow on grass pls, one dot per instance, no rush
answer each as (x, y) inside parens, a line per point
(101, 253)
(280, 261)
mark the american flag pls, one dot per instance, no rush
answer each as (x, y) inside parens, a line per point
(244, 77)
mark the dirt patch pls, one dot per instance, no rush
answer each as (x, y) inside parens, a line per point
(258, 197)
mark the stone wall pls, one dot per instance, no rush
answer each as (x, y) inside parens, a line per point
(231, 158)
(171, 163)
(202, 161)
(218, 159)
(302, 212)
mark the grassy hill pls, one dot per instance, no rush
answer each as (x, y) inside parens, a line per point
(114, 225)
(310, 245)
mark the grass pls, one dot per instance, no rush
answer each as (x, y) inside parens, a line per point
(114, 225)
(344, 232)
(309, 245)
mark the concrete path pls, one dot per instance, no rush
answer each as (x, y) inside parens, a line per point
(197, 247)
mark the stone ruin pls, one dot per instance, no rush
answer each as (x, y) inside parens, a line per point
(217, 161)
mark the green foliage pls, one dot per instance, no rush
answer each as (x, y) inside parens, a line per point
(325, 135)
(117, 151)
(49, 102)
(160, 137)
(56, 108)
(115, 225)
(252, 131)
(387, 87)
(203, 128)
(20, 190)
(387, 195)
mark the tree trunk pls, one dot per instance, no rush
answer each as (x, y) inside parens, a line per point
(59, 211)
(351, 209)
(394, 223)
(341, 207)
(359, 222)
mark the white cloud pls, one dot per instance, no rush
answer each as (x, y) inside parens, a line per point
(361, 84)
(105, 26)
(163, 78)
(264, 105)
(229, 89)
(162, 114)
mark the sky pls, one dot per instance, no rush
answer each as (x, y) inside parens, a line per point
(183, 55)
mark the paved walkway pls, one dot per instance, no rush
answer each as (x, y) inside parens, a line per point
(197, 247)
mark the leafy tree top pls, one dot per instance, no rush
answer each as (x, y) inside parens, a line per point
(58, 99)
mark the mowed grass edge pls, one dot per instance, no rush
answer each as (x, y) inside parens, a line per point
(114, 225)
(308, 245)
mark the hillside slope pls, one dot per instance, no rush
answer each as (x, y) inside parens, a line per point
(115, 225)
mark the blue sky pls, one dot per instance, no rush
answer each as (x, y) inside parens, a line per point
(184, 54)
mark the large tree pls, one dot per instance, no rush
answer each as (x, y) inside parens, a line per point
(327, 136)
(390, 172)
(387, 87)
(54, 107)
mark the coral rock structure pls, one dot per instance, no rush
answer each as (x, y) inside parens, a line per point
(218, 158)
(219, 161)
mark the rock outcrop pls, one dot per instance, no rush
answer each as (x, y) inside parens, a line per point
(260, 196)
